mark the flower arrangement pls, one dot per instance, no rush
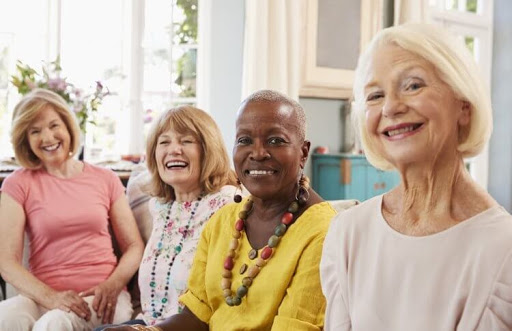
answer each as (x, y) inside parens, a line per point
(83, 104)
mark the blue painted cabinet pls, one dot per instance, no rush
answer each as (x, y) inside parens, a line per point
(349, 176)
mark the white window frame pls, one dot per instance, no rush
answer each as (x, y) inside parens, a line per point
(480, 25)
(134, 62)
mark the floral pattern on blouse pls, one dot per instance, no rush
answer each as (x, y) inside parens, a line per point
(163, 244)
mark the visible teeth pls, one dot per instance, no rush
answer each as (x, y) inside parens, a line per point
(175, 164)
(392, 133)
(51, 148)
(260, 172)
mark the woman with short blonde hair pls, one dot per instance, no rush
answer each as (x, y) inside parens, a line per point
(25, 113)
(435, 252)
(66, 208)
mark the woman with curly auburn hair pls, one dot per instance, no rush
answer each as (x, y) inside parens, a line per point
(191, 179)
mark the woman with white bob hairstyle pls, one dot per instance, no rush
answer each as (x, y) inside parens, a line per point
(435, 252)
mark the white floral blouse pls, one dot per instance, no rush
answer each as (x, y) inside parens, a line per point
(170, 251)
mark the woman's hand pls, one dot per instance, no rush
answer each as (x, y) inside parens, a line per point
(105, 299)
(70, 301)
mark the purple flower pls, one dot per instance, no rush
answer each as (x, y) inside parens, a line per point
(148, 119)
(77, 92)
(57, 84)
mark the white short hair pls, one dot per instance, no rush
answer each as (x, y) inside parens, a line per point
(274, 96)
(454, 65)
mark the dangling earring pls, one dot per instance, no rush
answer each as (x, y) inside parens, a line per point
(238, 198)
(302, 195)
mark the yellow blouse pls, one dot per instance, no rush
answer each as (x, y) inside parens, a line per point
(285, 295)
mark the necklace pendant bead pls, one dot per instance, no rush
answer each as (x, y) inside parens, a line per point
(253, 254)
(234, 244)
(231, 253)
(237, 234)
(228, 263)
(227, 274)
(243, 268)
(239, 225)
(273, 241)
(294, 207)
(260, 262)
(241, 291)
(247, 281)
(225, 284)
(229, 300)
(248, 206)
(253, 271)
(237, 301)
(287, 218)
(243, 214)
(280, 230)
(266, 253)
(226, 292)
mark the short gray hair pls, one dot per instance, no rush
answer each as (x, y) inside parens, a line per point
(274, 96)
(454, 65)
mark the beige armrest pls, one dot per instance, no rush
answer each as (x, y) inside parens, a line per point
(340, 205)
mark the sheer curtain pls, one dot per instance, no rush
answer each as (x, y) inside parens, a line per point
(410, 11)
(272, 46)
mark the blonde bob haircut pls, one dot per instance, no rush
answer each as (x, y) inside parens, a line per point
(215, 165)
(454, 65)
(24, 115)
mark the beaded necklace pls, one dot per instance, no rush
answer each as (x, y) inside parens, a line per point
(286, 221)
(177, 250)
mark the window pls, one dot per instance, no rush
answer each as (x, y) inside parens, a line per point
(145, 52)
(472, 20)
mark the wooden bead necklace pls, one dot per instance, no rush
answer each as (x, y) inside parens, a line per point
(286, 220)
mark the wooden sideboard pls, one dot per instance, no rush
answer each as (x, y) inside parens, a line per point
(349, 176)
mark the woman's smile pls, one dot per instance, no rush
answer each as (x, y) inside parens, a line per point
(51, 148)
(260, 173)
(401, 131)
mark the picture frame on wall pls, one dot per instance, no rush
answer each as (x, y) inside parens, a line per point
(335, 33)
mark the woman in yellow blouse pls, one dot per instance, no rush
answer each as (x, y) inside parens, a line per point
(256, 267)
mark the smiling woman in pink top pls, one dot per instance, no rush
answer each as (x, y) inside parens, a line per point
(65, 207)
(434, 253)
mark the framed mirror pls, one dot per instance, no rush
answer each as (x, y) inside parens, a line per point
(335, 33)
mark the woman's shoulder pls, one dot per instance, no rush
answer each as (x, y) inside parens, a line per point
(94, 169)
(226, 192)
(315, 220)
(360, 215)
(21, 176)
(223, 215)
